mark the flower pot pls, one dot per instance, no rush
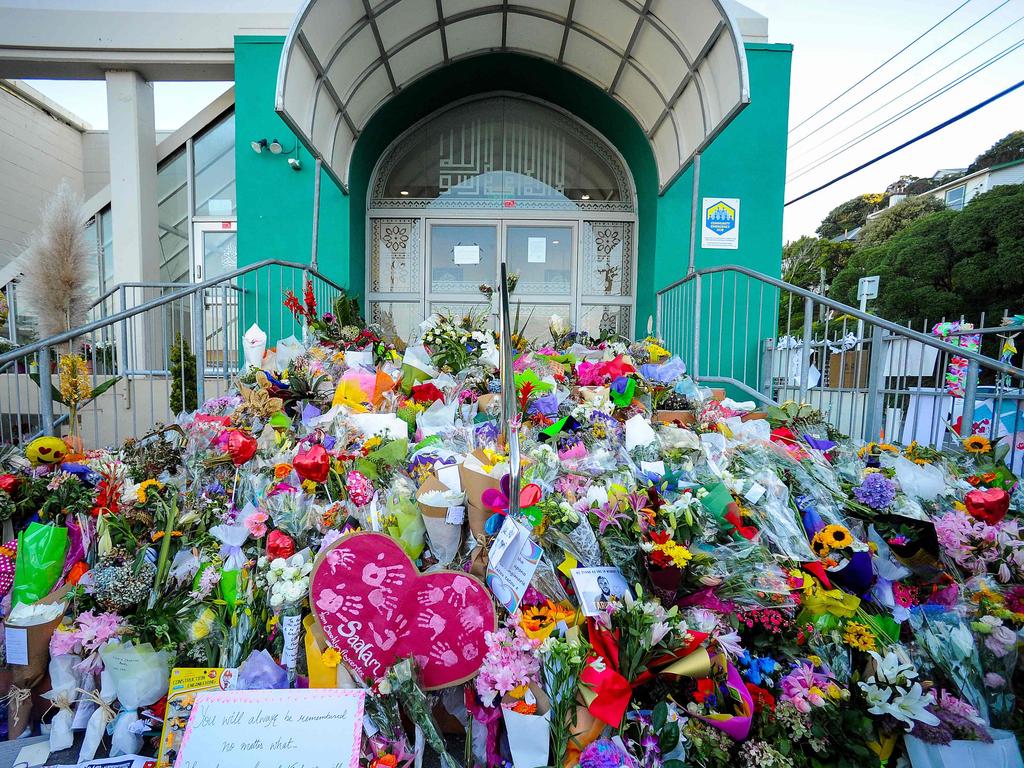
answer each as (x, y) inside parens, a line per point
(1003, 752)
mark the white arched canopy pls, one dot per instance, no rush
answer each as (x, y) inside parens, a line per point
(677, 65)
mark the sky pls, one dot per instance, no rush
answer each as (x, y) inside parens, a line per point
(173, 103)
(836, 43)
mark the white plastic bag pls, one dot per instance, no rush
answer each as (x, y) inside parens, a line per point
(64, 680)
(254, 345)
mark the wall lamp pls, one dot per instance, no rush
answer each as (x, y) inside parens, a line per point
(275, 148)
(273, 145)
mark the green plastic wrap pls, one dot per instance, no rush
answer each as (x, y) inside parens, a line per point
(40, 562)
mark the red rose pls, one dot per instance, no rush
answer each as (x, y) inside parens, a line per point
(279, 544)
(8, 483)
(426, 393)
(762, 697)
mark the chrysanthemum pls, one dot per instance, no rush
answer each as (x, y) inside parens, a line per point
(859, 636)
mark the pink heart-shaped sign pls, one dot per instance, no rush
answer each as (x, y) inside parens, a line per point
(375, 608)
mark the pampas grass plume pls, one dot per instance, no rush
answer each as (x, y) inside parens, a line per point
(59, 266)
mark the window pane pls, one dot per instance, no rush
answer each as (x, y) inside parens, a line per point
(596, 318)
(107, 245)
(172, 213)
(214, 157)
(533, 318)
(489, 151)
(543, 258)
(955, 198)
(398, 317)
(607, 258)
(396, 265)
(463, 257)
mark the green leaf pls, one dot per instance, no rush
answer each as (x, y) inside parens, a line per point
(668, 738)
(659, 716)
(100, 389)
(673, 764)
(54, 392)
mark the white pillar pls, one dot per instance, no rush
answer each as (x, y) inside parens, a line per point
(132, 136)
(132, 143)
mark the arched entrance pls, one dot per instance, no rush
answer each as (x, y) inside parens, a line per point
(502, 178)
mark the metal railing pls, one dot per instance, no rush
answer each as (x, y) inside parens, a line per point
(873, 378)
(135, 357)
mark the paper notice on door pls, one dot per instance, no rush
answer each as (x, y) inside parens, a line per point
(466, 254)
(536, 250)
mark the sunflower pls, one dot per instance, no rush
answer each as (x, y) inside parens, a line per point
(142, 492)
(837, 536)
(819, 545)
(977, 444)
(859, 636)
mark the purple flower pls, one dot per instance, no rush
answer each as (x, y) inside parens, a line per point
(877, 491)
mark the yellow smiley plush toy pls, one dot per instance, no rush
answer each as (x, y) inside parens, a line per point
(46, 450)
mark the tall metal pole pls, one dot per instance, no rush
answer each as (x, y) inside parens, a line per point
(694, 207)
(316, 213)
(509, 422)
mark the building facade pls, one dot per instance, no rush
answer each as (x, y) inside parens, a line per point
(579, 143)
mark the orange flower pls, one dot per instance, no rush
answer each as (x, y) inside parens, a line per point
(282, 470)
(524, 709)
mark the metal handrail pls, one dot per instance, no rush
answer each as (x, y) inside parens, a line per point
(188, 289)
(853, 312)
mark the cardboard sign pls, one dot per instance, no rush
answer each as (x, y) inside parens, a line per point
(242, 729)
(513, 560)
(185, 685)
(374, 608)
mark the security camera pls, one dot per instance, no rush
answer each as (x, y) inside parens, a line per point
(295, 163)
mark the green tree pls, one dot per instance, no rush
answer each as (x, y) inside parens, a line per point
(1010, 147)
(802, 263)
(947, 263)
(184, 395)
(895, 218)
(851, 214)
(988, 237)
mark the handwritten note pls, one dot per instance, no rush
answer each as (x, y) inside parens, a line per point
(274, 729)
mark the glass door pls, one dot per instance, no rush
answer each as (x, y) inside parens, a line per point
(543, 254)
(462, 256)
(216, 254)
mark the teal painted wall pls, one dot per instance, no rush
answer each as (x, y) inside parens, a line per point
(275, 203)
(747, 161)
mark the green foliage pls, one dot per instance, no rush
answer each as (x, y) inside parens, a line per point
(183, 377)
(802, 263)
(346, 310)
(1008, 148)
(893, 219)
(947, 263)
(851, 214)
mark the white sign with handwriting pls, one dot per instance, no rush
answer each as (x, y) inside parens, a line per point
(274, 729)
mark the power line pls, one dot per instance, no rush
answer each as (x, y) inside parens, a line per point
(869, 74)
(804, 170)
(891, 80)
(917, 84)
(907, 143)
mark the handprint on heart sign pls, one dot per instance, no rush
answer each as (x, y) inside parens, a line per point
(391, 636)
(376, 576)
(432, 621)
(374, 608)
(329, 600)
